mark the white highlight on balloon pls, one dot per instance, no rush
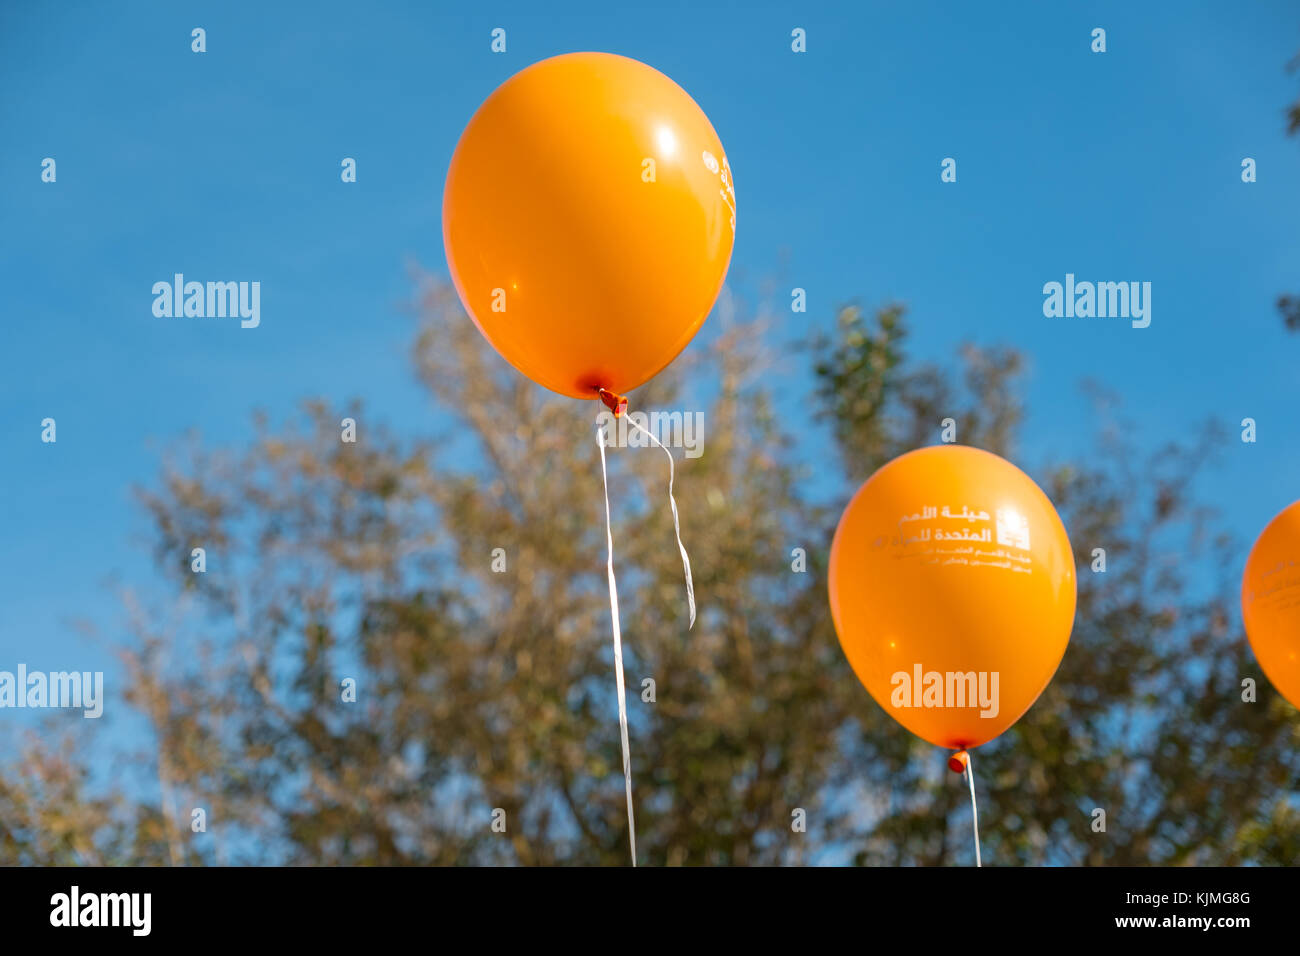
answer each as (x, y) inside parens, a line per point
(667, 142)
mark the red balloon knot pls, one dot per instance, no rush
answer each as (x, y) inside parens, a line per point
(616, 403)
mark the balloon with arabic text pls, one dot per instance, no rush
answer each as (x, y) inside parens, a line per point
(952, 587)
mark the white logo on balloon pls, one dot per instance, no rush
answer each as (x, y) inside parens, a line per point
(727, 193)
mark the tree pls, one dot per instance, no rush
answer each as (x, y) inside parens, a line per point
(479, 689)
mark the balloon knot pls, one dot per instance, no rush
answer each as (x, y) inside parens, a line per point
(616, 403)
(958, 761)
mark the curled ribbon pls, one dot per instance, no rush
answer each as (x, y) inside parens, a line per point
(618, 405)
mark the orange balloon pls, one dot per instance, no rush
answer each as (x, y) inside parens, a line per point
(952, 588)
(588, 218)
(1270, 601)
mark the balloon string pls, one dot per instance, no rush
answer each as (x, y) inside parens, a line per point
(974, 810)
(618, 645)
(677, 525)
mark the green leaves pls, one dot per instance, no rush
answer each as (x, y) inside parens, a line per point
(486, 683)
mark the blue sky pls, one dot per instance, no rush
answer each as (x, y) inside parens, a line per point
(225, 165)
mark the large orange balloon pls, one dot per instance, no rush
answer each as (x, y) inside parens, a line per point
(1270, 601)
(588, 218)
(952, 588)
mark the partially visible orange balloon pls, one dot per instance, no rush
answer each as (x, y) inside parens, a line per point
(588, 219)
(952, 587)
(1270, 601)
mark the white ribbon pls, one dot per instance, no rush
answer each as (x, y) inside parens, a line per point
(974, 811)
(601, 436)
(618, 645)
(677, 526)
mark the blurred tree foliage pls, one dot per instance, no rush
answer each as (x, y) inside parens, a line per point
(478, 690)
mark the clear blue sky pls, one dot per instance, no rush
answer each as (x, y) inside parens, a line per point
(225, 165)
